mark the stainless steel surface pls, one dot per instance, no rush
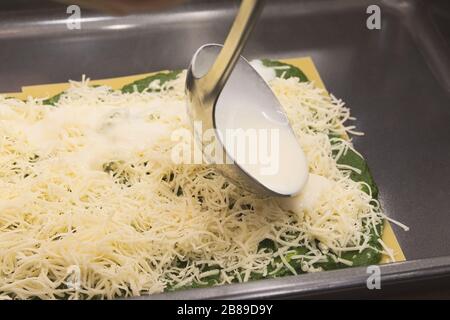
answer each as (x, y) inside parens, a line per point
(396, 81)
(207, 75)
(396, 280)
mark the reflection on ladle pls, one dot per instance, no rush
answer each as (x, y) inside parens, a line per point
(225, 93)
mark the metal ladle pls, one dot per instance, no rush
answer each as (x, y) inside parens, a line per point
(208, 80)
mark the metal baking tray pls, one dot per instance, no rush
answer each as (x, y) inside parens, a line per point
(396, 81)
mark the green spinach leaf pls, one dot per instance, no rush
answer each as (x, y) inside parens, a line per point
(53, 100)
(142, 84)
(290, 72)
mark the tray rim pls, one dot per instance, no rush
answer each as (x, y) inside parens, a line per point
(317, 284)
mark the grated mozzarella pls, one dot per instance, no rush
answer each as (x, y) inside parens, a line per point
(88, 192)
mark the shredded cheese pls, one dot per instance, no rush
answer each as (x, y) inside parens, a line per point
(91, 205)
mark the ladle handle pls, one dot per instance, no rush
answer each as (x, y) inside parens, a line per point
(243, 24)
